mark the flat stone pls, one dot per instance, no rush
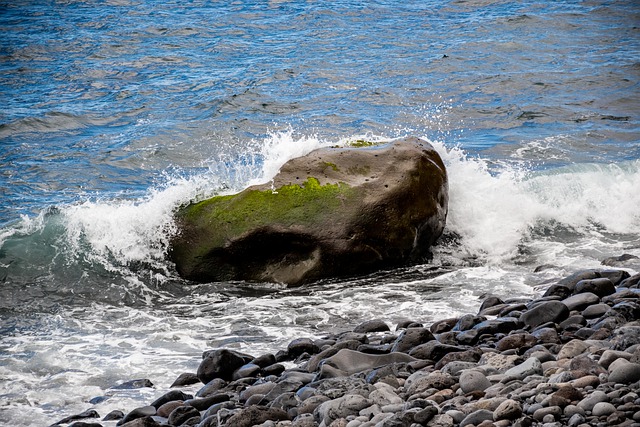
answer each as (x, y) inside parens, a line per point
(581, 301)
(351, 361)
(531, 366)
(548, 311)
(221, 364)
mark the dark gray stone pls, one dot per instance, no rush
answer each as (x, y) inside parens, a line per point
(411, 338)
(221, 364)
(375, 325)
(181, 414)
(581, 301)
(253, 415)
(549, 311)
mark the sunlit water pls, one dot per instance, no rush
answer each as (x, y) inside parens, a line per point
(116, 113)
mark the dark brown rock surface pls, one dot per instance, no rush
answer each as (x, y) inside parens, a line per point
(333, 212)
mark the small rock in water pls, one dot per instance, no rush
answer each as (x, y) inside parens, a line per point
(184, 379)
(113, 415)
(133, 384)
(375, 325)
(221, 364)
(90, 413)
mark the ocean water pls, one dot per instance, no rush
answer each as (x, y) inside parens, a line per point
(114, 113)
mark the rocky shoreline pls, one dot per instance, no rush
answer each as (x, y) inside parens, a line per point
(568, 358)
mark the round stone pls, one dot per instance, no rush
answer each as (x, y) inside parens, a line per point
(472, 380)
(603, 408)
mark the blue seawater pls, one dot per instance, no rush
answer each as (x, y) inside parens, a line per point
(116, 112)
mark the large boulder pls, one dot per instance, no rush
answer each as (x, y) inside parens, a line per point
(334, 212)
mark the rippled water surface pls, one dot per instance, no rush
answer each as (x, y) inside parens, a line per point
(114, 113)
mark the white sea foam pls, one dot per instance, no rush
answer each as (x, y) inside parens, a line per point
(495, 209)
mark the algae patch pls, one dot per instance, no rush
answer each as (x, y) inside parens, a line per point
(309, 203)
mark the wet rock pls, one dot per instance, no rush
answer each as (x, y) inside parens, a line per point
(581, 301)
(625, 373)
(90, 413)
(531, 366)
(133, 384)
(142, 422)
(185, 379)
(410, 338)
(169, 397)
(620, 261)
(141, 412)
(471, 380)
(221, 364)
(181, 414)
(572, 280)
(300, 346)
(204, 403)
(558, 291)
(166, 409)
(595, 310)
(375, 325)
(502, 325)
(548, 311)
(600, 287)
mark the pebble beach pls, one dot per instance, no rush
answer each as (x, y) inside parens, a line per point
(569, 357)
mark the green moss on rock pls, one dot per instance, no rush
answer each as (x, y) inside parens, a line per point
(288, 205)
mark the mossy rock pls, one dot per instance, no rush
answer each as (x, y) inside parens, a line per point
(333, 212)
